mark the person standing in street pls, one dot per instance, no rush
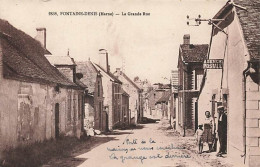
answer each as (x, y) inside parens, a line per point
(208, 124)
(198, 135)
(222, 131)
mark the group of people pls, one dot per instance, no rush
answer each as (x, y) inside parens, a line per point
(209, 133)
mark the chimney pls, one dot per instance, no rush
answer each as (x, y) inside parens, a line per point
(41, 36)
(103, 60)
(186, 39)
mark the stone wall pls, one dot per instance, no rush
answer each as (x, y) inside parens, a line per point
(27, 112)
(253, 122)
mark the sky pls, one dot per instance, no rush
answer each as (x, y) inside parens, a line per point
(147, 46)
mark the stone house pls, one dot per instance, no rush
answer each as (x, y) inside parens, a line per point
(236, 86)
(125, 108)
(145, 87)
(135, 95)
(95, 116)
(66, 66)
(37, 101)
(152, 97)
(112, 91)
(190, 73)
(174, 109)
(174, 98)
(163, 105)
(146, 106)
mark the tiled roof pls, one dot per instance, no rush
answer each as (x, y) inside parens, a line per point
(149, 94)
(250, 22)
(129, 80)
(24, 60)
(165, 97)
(114, 78)
(89, 74)
(60, 60)
(194, 53)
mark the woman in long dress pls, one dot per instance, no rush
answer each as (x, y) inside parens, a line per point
(208, 124)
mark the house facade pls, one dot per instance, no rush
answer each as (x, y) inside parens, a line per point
(174, 98)
(147, 112)
(153, 109)
(236, 85)
(190, 73)
(95, 115)
(145, 87)
(152, 97)
(163, 105)
(37, 101)
(135, 94)
(112, 91)
(125, 109)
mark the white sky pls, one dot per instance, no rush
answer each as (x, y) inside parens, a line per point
(149, 44)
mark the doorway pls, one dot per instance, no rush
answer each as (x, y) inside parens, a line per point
(225, 129)
(100, 115)
(196, 116)
(57, 120)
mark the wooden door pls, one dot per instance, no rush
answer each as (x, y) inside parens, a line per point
(57, 120)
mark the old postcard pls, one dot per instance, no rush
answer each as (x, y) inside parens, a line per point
(95, 83)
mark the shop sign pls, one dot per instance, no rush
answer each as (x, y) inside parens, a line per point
(213, 64)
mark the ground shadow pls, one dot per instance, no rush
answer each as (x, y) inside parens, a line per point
(146, 120)
(132, 127)
(115, 132)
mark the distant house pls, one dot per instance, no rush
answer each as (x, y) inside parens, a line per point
(37, 101)
(95, 116)
(147, 113)
(125, 108)
(174, 98)
(190, 73)
(236, 85)
(153, 96)
(163, 105)
(135, 95)
(112, 92)
(67, 66)
(145, 87)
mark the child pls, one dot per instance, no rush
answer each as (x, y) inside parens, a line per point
(198, 136)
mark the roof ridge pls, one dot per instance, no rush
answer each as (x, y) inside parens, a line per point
(132, 82)
(30, 55)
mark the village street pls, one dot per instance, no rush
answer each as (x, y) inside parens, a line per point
(163, 147)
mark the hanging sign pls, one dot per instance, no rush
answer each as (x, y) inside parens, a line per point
(213, 64)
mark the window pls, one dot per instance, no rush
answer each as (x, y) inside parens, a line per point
(198, 81)
(79, 106)
(118, 91)
(74, 107)
(99, 114)
(69, 108)
(98, 88)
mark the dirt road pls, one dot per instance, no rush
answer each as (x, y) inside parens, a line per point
(148, 145)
